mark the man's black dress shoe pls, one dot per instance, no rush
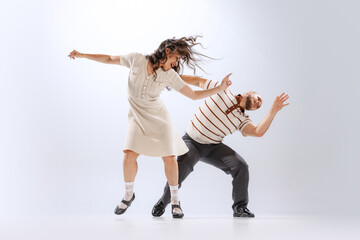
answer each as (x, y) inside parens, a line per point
(158, 209)
(242, 212)
(119, 211)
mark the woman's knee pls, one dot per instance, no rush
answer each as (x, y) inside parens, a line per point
(169, 158)
(130, 155)
(170, 161)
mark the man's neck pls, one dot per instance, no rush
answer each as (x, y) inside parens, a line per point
(240, 100)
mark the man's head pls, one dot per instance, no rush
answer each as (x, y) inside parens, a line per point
(250, 101)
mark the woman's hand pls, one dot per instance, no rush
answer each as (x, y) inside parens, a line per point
(225, 83)
(74, 54)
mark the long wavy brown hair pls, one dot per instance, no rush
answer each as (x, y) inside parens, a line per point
(183, 46)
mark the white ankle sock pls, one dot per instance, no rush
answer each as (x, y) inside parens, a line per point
(174, 194)
(129, 190)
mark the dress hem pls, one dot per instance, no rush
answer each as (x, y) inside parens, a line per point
(155, 155)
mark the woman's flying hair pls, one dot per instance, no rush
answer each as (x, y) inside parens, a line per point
(184, 47)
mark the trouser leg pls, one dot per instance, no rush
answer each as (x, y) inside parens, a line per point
(226, 159)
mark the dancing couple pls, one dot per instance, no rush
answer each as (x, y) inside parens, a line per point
(151, 132)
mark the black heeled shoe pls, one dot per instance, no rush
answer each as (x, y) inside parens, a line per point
(174, 214)
(119, 211)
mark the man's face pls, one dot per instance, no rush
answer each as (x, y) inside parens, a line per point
(253, 101)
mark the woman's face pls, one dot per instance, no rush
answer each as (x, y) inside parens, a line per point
(172, 60)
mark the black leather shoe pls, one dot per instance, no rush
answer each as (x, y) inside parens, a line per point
(158, 209)
(119, 211)
(174, 214)
(242, 212)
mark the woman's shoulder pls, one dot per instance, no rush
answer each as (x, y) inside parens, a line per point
(137, 56)
(165, 75)
(134, 56)
(172, 75)
(170, 72)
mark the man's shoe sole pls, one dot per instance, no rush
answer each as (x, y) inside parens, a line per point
(243, 215)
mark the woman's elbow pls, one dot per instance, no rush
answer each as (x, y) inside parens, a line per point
(108, 60)
(259, 134)
(193, 96)
(112, 60)
(190, 96)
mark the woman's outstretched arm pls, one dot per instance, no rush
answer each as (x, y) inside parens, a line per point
(96, 57)
(195, 95)
(193, 80)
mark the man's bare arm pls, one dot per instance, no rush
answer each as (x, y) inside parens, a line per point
(263, 126)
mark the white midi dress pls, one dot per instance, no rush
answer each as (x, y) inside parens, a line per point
(150, 129)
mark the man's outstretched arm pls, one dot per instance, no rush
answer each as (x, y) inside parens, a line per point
(263, 126)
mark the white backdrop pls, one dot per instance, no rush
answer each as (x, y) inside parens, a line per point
(63, 122)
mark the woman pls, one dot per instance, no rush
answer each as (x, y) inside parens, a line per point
(150, 130)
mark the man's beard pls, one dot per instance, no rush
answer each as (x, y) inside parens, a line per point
(248, 104)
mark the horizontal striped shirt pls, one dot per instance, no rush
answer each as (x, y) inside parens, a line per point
(211, 123)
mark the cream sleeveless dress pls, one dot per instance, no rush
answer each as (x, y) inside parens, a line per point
(150, 130)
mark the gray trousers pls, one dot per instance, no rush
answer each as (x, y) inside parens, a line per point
(217, 155)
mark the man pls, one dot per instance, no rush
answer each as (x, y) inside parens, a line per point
(218, 116)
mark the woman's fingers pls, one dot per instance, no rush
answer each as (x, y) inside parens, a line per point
(227, 80)
(72, 54)
(227, 76)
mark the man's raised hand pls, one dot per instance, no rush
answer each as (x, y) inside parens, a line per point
(279, 102)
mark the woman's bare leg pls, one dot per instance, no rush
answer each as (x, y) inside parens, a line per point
(130, 168)
(172, 176)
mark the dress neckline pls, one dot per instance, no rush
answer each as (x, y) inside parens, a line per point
(146, 64)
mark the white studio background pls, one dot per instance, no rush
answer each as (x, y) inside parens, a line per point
(63, 122)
